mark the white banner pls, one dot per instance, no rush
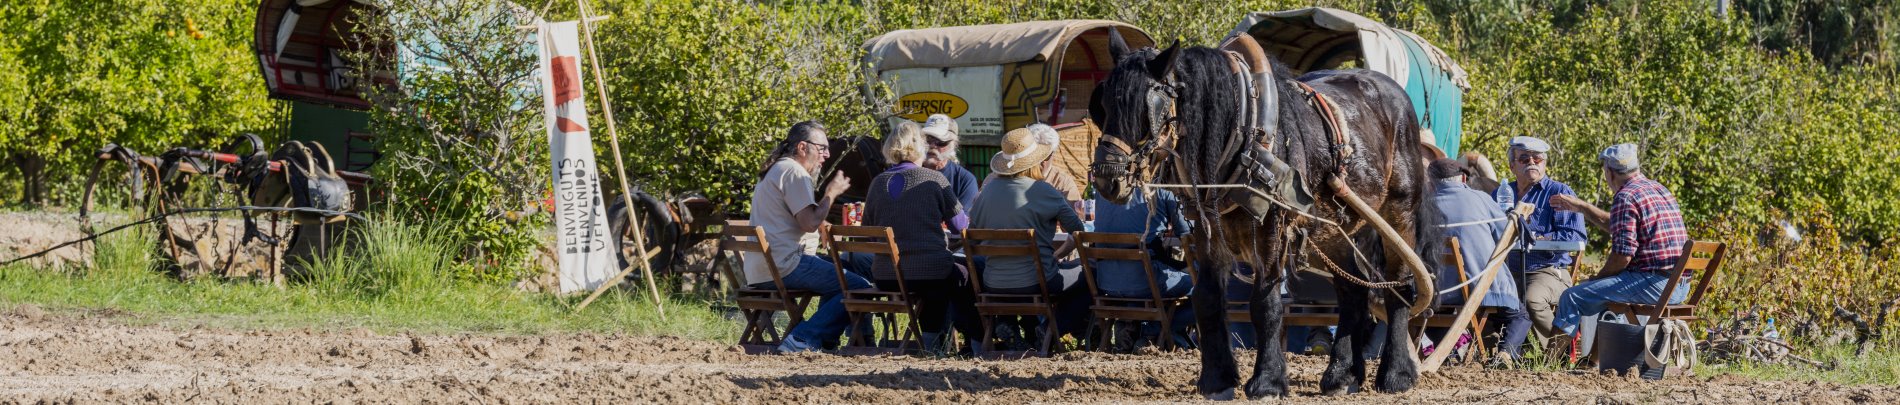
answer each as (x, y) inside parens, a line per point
(585, 250)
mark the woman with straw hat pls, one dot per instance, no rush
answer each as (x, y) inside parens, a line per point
(1017, 199)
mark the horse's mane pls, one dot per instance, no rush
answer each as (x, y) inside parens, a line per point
(1209, 110)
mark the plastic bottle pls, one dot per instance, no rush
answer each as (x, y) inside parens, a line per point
(1769, 332)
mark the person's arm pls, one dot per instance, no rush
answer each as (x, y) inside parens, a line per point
(813, 215)
(1623, 243)
(1569, 202)
(1614, 265)
(955, 219)
(1071, 223)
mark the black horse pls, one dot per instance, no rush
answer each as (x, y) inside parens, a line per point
(1186, 116)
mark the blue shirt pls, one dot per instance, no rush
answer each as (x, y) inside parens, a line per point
(1544, 222)
(1122, 275)
(1454, 203)
(962, 183)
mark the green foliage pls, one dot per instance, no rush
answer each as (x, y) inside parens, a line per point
(148, 74)
(464, 149)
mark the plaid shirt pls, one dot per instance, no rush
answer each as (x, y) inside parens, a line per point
(1646, 225)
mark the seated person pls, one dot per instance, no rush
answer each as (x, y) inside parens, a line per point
(1646, 240)
(782, 204)
(914, 201)
(1018, 200)
(1452, 202)
(1125, 279)
(1546, 273)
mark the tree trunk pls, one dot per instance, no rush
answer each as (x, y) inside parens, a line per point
(32, 178)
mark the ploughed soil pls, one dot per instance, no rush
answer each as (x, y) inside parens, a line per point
(111, 357)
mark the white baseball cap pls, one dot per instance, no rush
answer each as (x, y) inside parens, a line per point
(941, 127)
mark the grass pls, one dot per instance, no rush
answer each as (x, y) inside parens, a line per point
(1879, 366)
(393, 283)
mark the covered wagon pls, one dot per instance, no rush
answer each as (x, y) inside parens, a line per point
(1319, 38)
(993, 78)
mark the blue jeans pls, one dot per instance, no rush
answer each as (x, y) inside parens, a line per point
(818, 275)
(1590, 297)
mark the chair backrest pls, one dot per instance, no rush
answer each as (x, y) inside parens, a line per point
(877, 240)
(1088, 245)
(1454, 256)
(740, 236)
(974, 245)
(1699, 257)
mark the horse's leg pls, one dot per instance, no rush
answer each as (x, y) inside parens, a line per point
(1219, 373)
(1346, 369)
(1269, 367)
(1398, 371)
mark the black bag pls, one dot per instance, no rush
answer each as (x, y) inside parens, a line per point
(1619, 345)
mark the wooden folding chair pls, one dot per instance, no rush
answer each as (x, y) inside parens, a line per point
(1445, 315)
(1154, 308)
(858, 303)
(981, 242)
(1700, 257)
(756, 304)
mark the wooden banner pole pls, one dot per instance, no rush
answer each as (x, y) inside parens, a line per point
(620, 170)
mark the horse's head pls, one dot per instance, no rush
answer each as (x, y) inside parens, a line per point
(1135, 109)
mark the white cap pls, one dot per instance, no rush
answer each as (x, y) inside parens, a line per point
(941, 127)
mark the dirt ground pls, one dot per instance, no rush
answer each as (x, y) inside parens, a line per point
(102, 356)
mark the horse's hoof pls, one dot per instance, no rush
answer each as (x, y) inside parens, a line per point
(1351, 389)
(1398, 385)
(1223, 395)
(1261, 389)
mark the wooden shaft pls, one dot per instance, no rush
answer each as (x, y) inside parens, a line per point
(1473, 300)
(1422, 276)
(620, 169)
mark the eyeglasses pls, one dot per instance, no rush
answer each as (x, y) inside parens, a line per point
(938, 144)
(820, 147)
(1530, 159)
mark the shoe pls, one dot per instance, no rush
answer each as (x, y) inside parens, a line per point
(793, 345)
(934, 345)
(1007, 336)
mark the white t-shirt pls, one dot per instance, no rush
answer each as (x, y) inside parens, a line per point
(786, 189)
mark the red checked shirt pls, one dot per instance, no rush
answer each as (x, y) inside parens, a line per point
(1646, 225)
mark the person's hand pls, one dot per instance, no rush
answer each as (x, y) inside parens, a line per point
(1566, 202)
(839, 183)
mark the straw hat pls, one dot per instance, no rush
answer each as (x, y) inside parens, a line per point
(1024, 148)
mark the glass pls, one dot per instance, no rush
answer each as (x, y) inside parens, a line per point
(1530, 159)
(821, 147)
(934, 143)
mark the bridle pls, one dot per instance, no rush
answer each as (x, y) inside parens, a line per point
(1130, 165)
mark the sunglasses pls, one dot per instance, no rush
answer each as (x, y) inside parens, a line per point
(1530, 159)
(934, 143)
(819, 147)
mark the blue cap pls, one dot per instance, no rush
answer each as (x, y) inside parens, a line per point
(1620, 158)
(1530, 144)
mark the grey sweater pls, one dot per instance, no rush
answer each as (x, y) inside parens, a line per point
(916, 203)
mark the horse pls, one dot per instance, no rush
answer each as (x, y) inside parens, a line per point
(1185, 116)
(859, 157)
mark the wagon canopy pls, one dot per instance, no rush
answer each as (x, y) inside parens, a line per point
(300, 47)
(1317, 38)
(995, 77)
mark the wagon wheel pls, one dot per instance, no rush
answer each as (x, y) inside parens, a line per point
(120, 184)
(656, 228)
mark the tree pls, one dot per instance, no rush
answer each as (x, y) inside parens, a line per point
(147, 74)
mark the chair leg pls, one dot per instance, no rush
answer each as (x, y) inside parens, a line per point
(989, 333)
(1048, 333)
(1167, 332)
(750, 334)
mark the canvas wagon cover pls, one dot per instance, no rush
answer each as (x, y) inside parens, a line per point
(981, 45)
(1322, 38)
